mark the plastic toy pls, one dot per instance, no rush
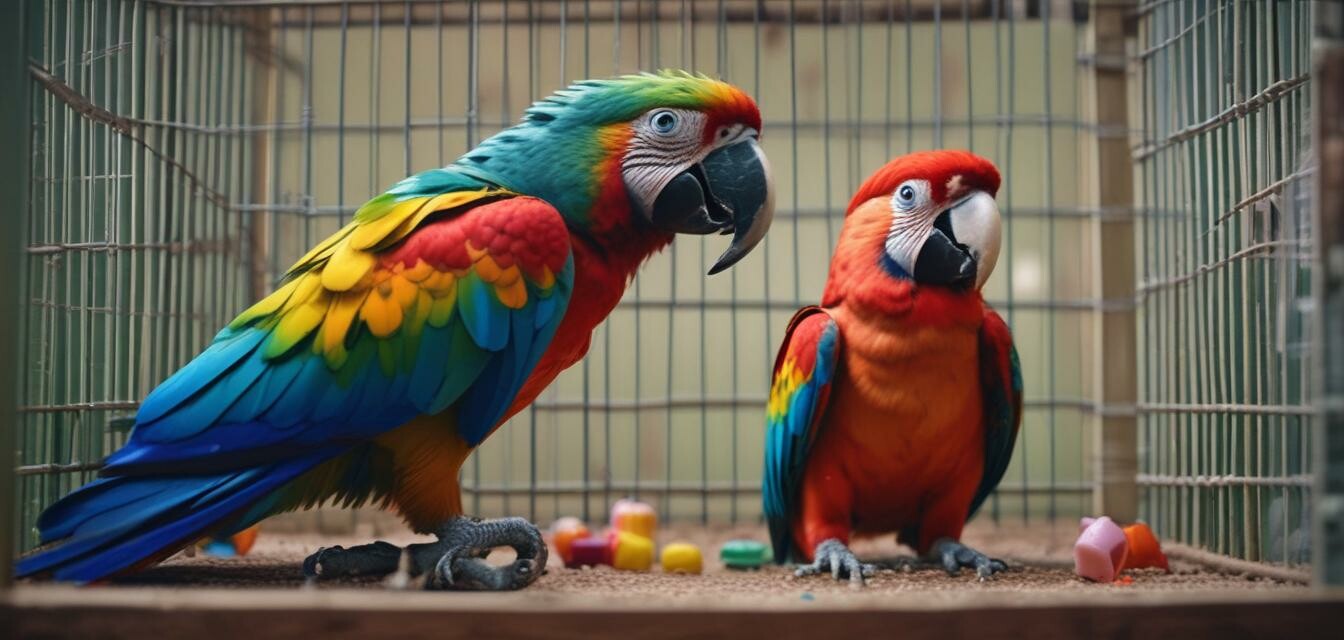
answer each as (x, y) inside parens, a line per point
(630, 551)
(682, 557)
(563, 534)
(1101, 549)
(589, 552)
(636, 517)
(1145, 552)
(744, 554)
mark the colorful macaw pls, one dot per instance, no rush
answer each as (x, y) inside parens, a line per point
(398, 344)
(895, 404)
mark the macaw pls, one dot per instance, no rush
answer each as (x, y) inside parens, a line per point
(895, 404)
(397, 345)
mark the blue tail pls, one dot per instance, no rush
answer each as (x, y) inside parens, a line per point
(114, 523)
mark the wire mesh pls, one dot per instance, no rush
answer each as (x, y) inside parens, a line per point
(1226, 349)
(199, 147)
(135, 254)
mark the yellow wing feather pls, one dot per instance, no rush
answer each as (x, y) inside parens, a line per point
(338, 282)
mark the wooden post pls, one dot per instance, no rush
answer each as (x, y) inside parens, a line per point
(1114, 362)
(15, 126)
(1328, 75)
(261, 110)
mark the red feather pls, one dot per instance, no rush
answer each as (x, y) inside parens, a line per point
(938, 167)
(522, 231)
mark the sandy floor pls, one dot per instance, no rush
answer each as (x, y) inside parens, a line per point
(1039, 558)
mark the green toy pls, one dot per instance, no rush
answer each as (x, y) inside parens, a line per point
(745, 554)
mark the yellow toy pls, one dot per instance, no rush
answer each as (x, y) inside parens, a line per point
(635, 517)
(630, 551)
(682, 557)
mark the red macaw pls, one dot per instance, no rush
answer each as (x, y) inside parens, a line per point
(896, 403)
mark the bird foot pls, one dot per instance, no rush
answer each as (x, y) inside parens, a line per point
(833, 556)
(955, 555)
(456, 561)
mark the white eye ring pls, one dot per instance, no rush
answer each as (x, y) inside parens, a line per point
(663, 122)
(905, 197)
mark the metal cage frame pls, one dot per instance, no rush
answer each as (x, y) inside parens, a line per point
(229, 176)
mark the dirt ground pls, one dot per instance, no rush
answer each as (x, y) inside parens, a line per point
(1039, 559)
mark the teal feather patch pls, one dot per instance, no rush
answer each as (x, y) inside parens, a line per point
(486, 318)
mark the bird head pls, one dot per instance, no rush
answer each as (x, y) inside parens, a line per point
(935, 217)
(664, 153)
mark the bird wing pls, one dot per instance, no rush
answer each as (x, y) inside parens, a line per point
(804, 370)
(1001, 386)
(434, 294)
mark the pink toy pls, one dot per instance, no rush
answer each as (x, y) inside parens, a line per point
(1101, 549)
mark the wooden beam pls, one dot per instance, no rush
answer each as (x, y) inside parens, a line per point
(261, 109)
(61, 612)
(1114, 360)
(1328, 538)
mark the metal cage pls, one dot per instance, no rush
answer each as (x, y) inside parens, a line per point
(1226, 343)
(184, 152)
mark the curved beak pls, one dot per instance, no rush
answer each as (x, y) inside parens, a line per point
(963, 246)
(730, 191)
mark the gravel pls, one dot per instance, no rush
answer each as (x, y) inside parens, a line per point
(1039, 559)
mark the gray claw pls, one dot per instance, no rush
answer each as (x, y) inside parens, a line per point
(954, 556)
(466, 542)
(833, 554)
(455, 561)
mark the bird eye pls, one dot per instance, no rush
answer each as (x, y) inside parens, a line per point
(664, 122)
(905, 196)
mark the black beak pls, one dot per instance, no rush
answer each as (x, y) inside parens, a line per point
(729, 191)
(942, 260)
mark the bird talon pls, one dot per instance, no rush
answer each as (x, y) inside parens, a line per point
(834, 555)
(312, 565)
(462, 566)
(955, 556)
(443, 572)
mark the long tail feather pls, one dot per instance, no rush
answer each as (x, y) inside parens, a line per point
(116, 523)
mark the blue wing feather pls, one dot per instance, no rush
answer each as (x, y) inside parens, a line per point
(483, 407)
(426, 377)
(269, 387)
(105, 550)
(225, 352)
(199, 413)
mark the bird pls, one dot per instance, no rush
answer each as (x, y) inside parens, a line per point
(395, 346)
(895, 404)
